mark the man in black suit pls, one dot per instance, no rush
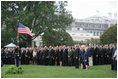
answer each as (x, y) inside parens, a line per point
(95, 55)
(76, 56)
(3, 55)
(101, 54)
(65, 56)
(27, 55)
(10, 56)
(51, 55)
(90, 54)
(17, 55)
(56, 55)
(60, 55)
(112, 61)
(46, 55)
(70, 55)
(22, 55)
(38, 56)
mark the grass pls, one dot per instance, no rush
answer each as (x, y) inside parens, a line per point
(38, 71)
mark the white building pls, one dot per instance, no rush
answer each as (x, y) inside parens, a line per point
(80, 35)
(82, 29)
(92, 27)
(37, 42)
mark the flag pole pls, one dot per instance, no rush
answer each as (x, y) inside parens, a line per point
(18, 42)
(17, 55)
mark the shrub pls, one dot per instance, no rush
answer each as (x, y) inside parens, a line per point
(14, 70)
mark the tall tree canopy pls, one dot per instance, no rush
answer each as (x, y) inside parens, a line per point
(56, 38)
(109, 36)
(39, 16)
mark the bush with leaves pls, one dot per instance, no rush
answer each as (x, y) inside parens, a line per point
(14, 70)
(109, 36)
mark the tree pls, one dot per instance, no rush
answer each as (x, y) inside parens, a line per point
(109, 36)
(39, 16)
(56, 38)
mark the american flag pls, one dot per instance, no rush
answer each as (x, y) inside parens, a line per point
(23, 29)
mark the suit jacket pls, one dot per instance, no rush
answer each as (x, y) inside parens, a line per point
(76, 53)
(65, 54)
(70, 53)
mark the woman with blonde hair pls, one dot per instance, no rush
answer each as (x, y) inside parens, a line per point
(86, 58)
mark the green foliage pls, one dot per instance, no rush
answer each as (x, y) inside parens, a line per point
(39, 16)
(13, 70)
(56, 38)
(38, 71)
(89, 41)
(109, 36)
(93, 41)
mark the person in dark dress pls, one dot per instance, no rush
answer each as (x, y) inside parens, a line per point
(86, 58)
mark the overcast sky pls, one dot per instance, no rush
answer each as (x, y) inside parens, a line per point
(83, 9)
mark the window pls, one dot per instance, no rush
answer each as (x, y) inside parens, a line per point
(97, 33)
(94, 33)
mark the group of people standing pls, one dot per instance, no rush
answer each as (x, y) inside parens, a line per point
(62, 55)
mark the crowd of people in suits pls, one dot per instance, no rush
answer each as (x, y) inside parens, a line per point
(62, 55)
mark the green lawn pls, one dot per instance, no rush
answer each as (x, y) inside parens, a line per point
(37, 71)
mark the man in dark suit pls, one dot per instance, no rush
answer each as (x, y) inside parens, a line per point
(65, 56)
(115, 60)
(60, 55)
(31, 55)
(6, 56)
(3, 55)
(70, 55)
(56, 55)
(38, 56)
(27, 55)
(95, 55)
(101, 53)
(76, 57)
(46, 55)
(10, 56)
(51, 55)
(22, 55)
(90, 54)
(17, 55)
(112, 61)
(82, 51)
